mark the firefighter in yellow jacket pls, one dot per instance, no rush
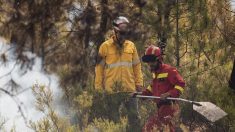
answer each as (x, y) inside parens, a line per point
(119, 68)
(119, 61)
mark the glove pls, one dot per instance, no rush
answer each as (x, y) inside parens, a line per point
(164, 96)
(133, 95)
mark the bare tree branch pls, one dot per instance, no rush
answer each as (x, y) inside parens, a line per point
(200, 72)
(222, 33)
(17, 102)
(229, 10)
(9, 72)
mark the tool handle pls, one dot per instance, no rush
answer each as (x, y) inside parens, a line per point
(169, 98)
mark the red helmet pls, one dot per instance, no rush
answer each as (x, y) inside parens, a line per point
(152, 53)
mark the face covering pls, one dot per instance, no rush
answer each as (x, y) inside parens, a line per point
(121, 37)
(121, 33)
(154, 66)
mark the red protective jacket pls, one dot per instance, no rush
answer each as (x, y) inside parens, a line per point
(166, 79)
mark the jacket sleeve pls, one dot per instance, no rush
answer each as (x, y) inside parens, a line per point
(177, 81)
(99, 68)
(147, 91)
(137, 69)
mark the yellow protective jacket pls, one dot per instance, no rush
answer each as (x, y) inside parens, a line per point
(119, 70)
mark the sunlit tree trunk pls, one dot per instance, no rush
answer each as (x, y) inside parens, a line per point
(177, 51)
(164, 10)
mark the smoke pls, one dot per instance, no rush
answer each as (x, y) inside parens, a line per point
(233, 4)
(15, 88)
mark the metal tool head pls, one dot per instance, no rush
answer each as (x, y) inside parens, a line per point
(207, 109)
(210, 111)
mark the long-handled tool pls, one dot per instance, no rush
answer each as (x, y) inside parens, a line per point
(207, 109)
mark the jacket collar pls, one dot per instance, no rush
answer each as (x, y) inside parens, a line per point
(160, 68)
(114, 41)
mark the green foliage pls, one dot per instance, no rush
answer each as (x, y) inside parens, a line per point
(146, 108)
(84, 100)
(104, 125)
(212, 86)
(82, 105)
(51, 121)
(43, 97)
(206, 30)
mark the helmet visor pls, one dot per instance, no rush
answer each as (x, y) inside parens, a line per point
(121, 27)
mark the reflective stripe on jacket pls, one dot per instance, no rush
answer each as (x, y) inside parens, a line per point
(120, 68)
(166, 79)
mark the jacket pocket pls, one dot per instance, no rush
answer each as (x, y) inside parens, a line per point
(112, 56)
(128, 55)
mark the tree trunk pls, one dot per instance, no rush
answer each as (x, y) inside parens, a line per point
(177, 52)
(103, 23)
(232, 78)
(164, 28)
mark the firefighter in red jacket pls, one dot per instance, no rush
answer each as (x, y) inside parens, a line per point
(166, 82)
